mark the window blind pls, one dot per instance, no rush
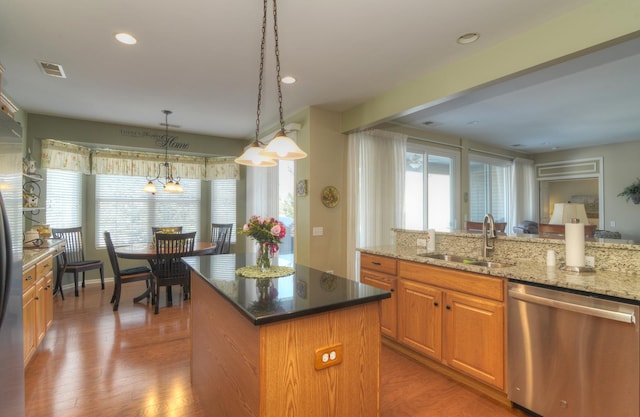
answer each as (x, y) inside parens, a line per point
(64, 198)
(128, 213)
(223, 203)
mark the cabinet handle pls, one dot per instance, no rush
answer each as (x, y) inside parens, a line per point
(376, 263)
(36, 298)
(448, 307)
(435, 303)
(391, 290)
(29, 278)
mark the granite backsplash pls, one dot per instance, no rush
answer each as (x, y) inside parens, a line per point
(608, 254)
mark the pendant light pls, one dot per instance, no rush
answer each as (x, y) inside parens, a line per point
(169, 184)
(281, 146)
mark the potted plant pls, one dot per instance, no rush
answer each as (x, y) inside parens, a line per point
(632, 192)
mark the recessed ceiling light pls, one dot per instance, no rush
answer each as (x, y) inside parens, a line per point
(126, 38)
(468, 38)
(288, 79)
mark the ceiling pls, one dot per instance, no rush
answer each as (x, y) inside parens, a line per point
(200, 59)
(590, 100)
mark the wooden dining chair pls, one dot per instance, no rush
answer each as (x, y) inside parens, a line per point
(221, 236)
(73, 259)
(557, 230)
(170, 229)
(167, 267)
(124, 276)
(476, 227)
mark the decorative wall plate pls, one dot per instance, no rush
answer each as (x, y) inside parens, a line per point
(330, 196)
(301, 188)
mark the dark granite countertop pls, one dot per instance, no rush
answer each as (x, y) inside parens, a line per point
(306, 291)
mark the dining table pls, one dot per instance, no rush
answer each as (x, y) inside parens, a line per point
(148, 251)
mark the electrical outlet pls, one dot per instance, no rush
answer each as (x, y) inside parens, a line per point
(328, 356)
(590, 261)
(318, 231)
(612, 223)
(422, 242)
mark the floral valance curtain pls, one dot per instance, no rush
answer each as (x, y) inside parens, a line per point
(144, 164)
(67, 156)
(222, 169)
(60, 155)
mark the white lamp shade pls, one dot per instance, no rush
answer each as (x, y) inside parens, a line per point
(283, 147)
(150, 188)
(252, 157)
(564, 212)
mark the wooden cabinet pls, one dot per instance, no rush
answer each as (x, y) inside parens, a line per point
(421, 317)
(37, 304)
(454, 317)
(380, 272)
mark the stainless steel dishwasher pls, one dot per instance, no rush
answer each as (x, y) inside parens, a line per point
(572, 355)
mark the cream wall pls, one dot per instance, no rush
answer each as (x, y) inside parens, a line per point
(328, 166)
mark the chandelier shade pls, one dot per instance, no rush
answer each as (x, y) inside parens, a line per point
(169, 184)
(280, 147)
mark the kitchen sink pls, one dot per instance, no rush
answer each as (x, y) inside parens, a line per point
(450, 258)
(467, 260)
(491, 264)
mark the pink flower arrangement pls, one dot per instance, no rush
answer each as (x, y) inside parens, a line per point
(266, 231)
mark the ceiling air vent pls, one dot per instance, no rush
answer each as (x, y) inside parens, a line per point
(54, 70)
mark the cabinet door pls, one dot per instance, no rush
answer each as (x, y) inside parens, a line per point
(29, 322)
(48, 300)
(41, 325)
(389, 307)
(420, 317)
(474, 337)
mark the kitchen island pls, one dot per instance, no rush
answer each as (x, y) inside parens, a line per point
(305, 344)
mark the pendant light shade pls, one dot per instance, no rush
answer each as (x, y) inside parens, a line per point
(280, 147)
(283, 147)
(252, 156)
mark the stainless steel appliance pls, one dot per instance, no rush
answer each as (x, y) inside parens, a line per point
(572, 355)
(11, 335)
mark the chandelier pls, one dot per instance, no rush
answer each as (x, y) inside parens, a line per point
(281, 146)
(169, 184)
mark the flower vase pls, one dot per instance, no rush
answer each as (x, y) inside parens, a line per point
(263, 257)
(264, 289)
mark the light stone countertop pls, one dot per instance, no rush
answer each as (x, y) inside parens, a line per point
(31, 256)
(608, 283)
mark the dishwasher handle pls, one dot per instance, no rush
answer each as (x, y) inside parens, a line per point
(577, 308)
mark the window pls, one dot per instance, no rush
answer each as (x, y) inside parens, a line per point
(64, 198)
(128, 213)
(286, 203)
(489, 180)
(223, 203)
(431, 181)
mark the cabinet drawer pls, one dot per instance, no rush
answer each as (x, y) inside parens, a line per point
(466, 282)
(378, 263)
(28, 278)
(44, 267)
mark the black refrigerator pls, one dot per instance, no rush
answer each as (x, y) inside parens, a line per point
(11, 332)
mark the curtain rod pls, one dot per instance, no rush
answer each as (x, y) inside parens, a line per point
(435, 142)
(511, 158)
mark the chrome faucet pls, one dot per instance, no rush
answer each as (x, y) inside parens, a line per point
(488, 234)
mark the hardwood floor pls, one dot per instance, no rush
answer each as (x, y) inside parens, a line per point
(95, 362)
